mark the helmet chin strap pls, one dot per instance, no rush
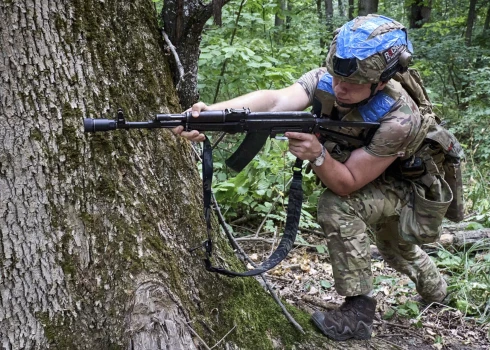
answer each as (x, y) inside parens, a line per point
(363, 102)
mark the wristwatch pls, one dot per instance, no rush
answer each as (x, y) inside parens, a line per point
(321, 158)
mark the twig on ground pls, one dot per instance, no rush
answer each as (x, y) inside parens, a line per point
(408, 328)
(315, 232)
(231, 330)
(274, 238)
(197, 336)
(391, 343)
(280, 278)
(391, 324)
(318, 302)
(251, 238)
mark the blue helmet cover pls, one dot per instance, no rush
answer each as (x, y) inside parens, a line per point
(352, 43)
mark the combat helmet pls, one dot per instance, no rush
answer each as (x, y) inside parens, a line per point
(369, 49)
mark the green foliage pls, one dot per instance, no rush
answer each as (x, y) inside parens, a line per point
(262, 188)
(457, 78)
(261, 55)
(469, 282)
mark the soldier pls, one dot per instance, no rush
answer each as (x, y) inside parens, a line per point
(368, 186)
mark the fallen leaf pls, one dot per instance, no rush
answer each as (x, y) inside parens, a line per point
(312, 291)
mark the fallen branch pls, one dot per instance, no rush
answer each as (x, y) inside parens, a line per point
(462, 238)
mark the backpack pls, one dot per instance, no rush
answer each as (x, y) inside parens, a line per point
(440, 150)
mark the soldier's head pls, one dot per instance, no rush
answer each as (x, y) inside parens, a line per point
(368, 51)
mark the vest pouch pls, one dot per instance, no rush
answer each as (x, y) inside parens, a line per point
(336, 151)
(454, 178)
(412, 168)
(421, 219)
(451, 166)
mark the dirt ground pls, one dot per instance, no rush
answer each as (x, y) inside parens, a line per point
(304, 279)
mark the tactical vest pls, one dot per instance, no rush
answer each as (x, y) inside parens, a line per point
(379, 106)
(433, 153)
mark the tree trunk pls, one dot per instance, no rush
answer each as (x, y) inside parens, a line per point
(90, 241)
(461, 239)
(279, 16)
(470, 22)
(184, 21)
(366, 7)
(351, 9)
(486, 25)
(319, 13)
(419, 12)
(328, 16)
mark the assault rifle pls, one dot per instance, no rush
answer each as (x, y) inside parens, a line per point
(258, 126)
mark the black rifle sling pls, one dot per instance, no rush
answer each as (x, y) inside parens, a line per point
(292, 220)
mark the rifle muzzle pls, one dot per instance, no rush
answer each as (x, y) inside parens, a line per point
(93, 125)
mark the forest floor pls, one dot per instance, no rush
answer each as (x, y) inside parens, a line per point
(304, 279)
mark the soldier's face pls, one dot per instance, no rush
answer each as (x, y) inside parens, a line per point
(350, 93)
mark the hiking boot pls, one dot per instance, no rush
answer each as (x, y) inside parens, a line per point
(353, 319)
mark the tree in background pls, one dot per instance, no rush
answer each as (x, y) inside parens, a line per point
(470, 22)
(365, 7)
(183, 24)
(419, 12)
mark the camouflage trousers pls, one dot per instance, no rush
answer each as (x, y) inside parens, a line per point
(344, 221)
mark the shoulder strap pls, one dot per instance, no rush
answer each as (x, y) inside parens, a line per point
(292, 220)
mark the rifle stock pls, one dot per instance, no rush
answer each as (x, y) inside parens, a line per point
(258, 126)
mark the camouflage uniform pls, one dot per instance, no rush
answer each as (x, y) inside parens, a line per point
(385, 204)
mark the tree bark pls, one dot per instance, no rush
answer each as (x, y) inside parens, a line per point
(87, 221)
(460, 238)
(319, 13)
(366, 7)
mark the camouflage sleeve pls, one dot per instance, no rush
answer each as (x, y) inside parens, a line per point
(309, 81)
(397, 130)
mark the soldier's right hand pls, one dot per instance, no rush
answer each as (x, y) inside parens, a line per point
(193, 135)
